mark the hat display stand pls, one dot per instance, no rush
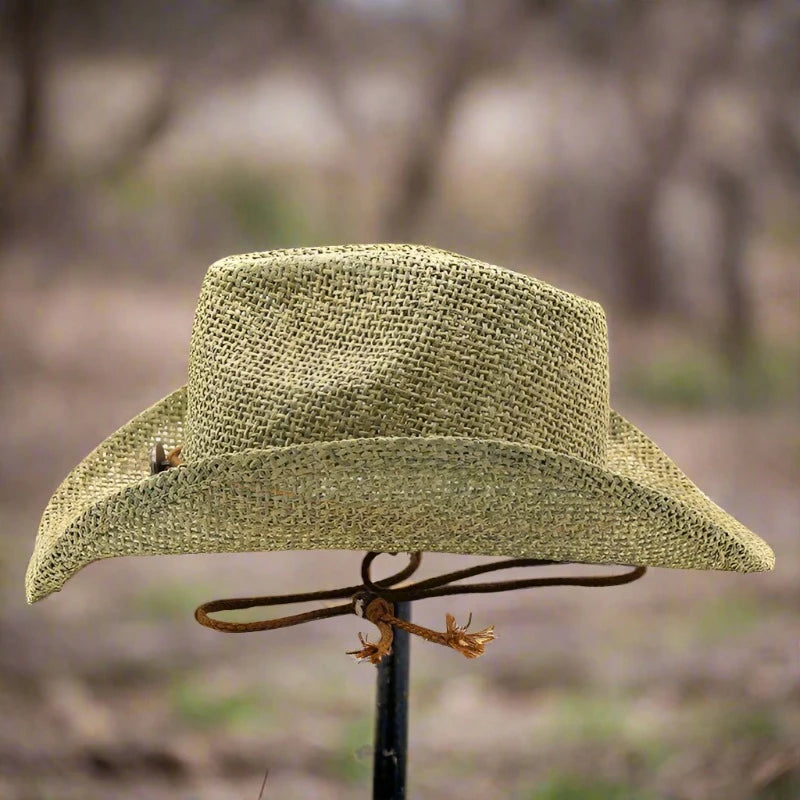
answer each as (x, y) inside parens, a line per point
(391, 716)
(387, 604)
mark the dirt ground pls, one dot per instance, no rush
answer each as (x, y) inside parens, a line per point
(685, 685)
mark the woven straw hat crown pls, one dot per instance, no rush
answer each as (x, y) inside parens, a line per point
(298, 349)
(394, 398)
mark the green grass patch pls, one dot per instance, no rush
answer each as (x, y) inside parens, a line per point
(167, 602)
(785, 786)
(783, 227)
(569, 787)
(680, 380)
(603, 721)
(750, 724)
(723, 724)
(729, 617)
(178, 601)
(203, 707)
(263, 211)
(352, 759)
(696, 377)
(134, 192)
(592, 718)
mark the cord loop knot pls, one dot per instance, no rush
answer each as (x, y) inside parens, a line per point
(374, 601)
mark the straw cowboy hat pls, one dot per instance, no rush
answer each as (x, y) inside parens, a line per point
(387, 398)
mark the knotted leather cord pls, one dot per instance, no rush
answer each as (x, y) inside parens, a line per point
(235, 604)
(374, 600)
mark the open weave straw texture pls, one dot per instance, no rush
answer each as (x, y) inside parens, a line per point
(393, 398)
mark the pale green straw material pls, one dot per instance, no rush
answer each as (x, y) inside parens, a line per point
(393, 398)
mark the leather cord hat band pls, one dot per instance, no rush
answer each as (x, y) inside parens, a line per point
(374, 600)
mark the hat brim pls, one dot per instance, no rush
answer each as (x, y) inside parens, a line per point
(439, 493)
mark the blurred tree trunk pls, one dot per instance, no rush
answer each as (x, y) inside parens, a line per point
(645, 289)
(27, 20)
(149, 128)
(485, 35)
(664, 137)
(735, 215)
(416, 181)
(638, 248)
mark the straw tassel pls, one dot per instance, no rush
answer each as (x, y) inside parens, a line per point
(381, 614)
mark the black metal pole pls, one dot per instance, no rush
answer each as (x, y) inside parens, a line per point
(391, 720)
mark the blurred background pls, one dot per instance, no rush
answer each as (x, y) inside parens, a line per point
(643, 154)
